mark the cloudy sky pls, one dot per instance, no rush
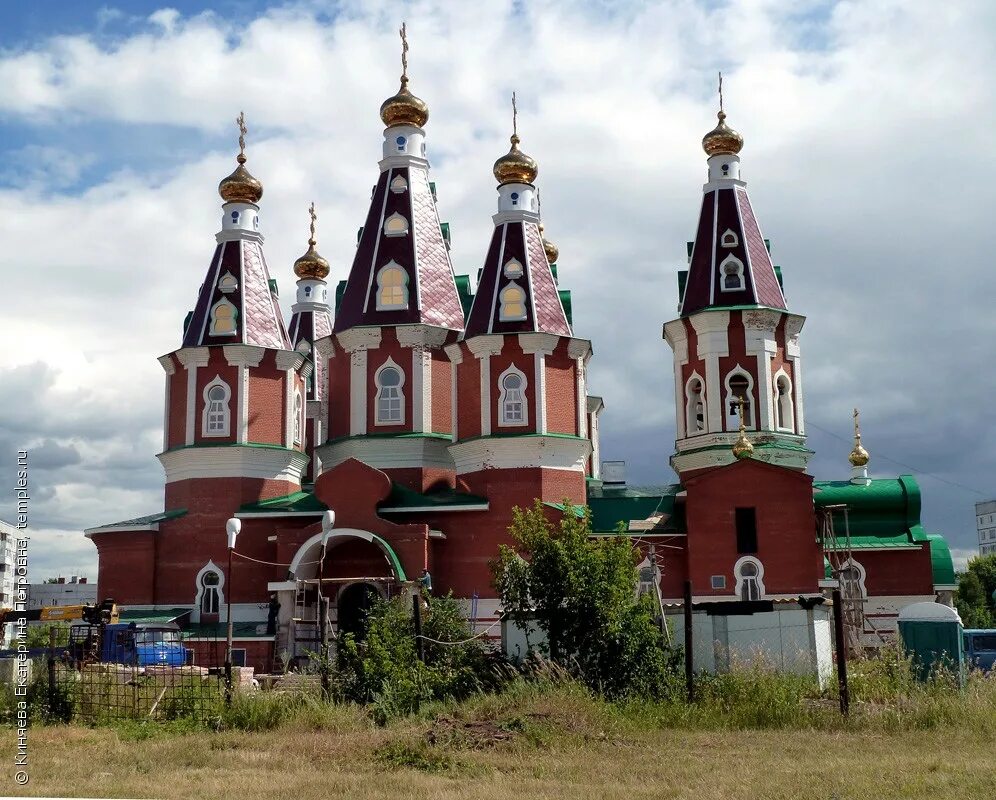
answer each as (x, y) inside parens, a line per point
(868, 131)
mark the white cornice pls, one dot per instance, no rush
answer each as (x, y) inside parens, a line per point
(388, 452)
(325, 347)
(243, 355)
(268, 463)
(427, 336)
(454, 352)
(289, 359)
(486, 345)
(169, 367)
(503, 217)
(193, 356)
(357, 339)
(543, 343)
(676, 335)
(237, 235)
(520, 452)
(403, 161)
(579, 348)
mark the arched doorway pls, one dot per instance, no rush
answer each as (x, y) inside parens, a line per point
(352, 606)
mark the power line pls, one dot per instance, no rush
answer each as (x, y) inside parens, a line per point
(916, 470)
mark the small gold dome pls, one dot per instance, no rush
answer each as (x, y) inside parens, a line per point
(404, 108)
(722, 140)
(551, 250)
(742, 448)
(515, 166)
(859, 456)
(240, 186)
(311, 265)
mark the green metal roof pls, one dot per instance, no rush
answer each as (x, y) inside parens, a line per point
(463, 290)
(151, 519)
(565, 301)
(941, 562)
(611, 505)
(883, 507)
(289, 503)
(415, 435)
(402, 498)
(152, 615)
(219, 630)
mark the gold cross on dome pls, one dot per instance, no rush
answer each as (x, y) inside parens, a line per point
(515, 117)
(243, 130)
(720, 91)
(404, 51)
(314, 218)
(857, 424)
(740, 411)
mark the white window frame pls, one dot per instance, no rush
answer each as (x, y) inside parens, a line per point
(214, 316)
(403, 231)
(503, 417)
(399, 184)
(502, 316)
(739, 579)
(729, 232)
(860, 569)
(298, 417)
(785, 421)
(513, 269)
(226, 429)
(392, 265)
(731, 259)
(200, 588)
(731, 398)
(691, 425)
(228, 283)
(389, 364)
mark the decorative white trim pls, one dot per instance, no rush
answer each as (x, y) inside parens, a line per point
(392, 265)
(454, 352)
(396, 231)
(166, 409)
(738, 577)
(485, 367)
(390, 363)
(167, 364)
(389, 452)
(778, 418)
(272, 463)
(89, 532)
(539, 343)
(213, 318)
(685, 418)
(226, 419)
(750, 420)
(580, 393)
(729, 238)
(358, 392)
(516, 452)
(427, 336)
(399, 184)
(539, 390)
(485, 345)
(299, 416)
(503, 417)
(242, 422)
(244, 355)
(288, 405)
(454, 415)
(289, 360)
(503, 301)
(356, 340)
(577, 348)
(421, 386)
(740, 273)
(195, 614)
(712, 343)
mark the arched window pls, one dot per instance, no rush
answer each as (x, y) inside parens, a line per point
(749, 575)
(732, 270)
(729, 239)
(217, 417)
(513, 269)
(695, 417)
(298, 416)
(399, 184)
(513, 304)
(392, 288)
(512, 398)
(739, 384)
(390, 399)
(223, 318)
(395, 225)
(210, 581)
(227, 283)
(784, 416)
(852, 581)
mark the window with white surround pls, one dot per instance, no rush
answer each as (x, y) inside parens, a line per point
(298, 416)
(739, 384)
(227, 283)
(695, 417)
(784, 415)
(852, 581)
(749, 575)
(210, 581)
(729, 239)
(513, 269)
(395, 225)
(217, 417)
(392, 288)
(732, 271)
(512, 399)
(390, 401)
(223, 318)
(513, 304)
(399, 184)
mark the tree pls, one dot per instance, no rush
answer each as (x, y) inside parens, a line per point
(975, 602)
(581, 592)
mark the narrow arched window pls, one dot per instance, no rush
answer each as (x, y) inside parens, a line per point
(390, 401)
(695, 421)
(739, 385)
(749, 574)
(298, 417)
(512, 398)
(223, 318)
(395, 225)
(392, 288)
(228, 283)
(730, 239)
(513, 304)
(217, 417)
(210, 595)
(399, 184)
(732, 272)
(783, 403)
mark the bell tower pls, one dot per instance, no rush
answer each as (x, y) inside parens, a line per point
(734, 337)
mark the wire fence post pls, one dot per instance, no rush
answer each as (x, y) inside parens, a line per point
(841, 647)
(689, 665)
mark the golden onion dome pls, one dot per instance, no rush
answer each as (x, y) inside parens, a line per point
(404, 108)
(311, 264)
(859, 456)
(551, 250)
(240, 186)
(742, 448)
(722, 140)
(515, 166)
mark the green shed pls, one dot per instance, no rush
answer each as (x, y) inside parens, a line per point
(932, 635)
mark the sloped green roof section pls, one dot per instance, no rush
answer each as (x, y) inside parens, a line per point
(289, 503)
(402, 498)
(885, 507)
(941, 562)
(151, 519)
(611, 505)
(565, 301)
(219, 630)
(463, 291)
(153, 616)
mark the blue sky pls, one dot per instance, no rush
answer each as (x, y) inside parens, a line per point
(117, 124)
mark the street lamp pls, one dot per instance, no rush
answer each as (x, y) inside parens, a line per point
(232, 527)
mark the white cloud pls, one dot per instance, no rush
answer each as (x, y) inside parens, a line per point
(865, 156)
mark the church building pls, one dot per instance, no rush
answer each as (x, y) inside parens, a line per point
(422, 406)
